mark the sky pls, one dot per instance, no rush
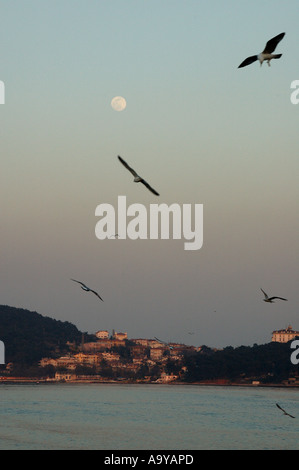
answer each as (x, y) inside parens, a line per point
(197, 128)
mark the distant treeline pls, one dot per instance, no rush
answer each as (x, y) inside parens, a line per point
(268, 363)
(29, 336)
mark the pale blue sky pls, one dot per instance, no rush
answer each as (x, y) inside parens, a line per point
(197, 127)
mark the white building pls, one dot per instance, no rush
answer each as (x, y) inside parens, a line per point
(284, 336)
(102, 334)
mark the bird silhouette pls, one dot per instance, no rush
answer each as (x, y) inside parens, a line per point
(87, 289)
(287, 414)
(137, 178)
(271, 299)
(267, 53)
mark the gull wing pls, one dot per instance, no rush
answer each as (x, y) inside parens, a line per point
(127, 166)
(280, 407)
(264, 294)
(281, 298)
(159, 340)
(149, 187)
(272, 43)
(79, 283)
(87, 288)
(284, 411)
(94, 292)
(248, 61)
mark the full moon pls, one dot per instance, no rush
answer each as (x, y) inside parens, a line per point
(118, 103)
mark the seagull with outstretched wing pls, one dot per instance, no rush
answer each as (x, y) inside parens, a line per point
(87, 289)
(271, 299)
(267, 53)
(287, 414)
(137, 178)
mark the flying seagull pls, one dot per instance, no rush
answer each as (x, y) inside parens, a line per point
(287, 414)
(270, 299)
(163, 342)
(87, 289)
(137, 178)
(266, 54)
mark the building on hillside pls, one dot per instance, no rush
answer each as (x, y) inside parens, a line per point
(87, 359)
(157, 353)
(284, 336)
(102, 334)
(164, 378)
(138, 350)
(110, 357)
(68, 362)
(120, 336)
(101, 345)
(64, 376)
(141, 341)
(45, 361)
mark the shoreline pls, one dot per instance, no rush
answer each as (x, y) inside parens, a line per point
(36, 381)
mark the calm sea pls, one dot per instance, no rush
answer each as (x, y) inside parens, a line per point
(146, 417)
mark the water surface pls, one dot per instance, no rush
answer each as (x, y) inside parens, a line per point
(146, 417)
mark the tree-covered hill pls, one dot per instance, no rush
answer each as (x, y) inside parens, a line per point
(267, 362)
(29, 336)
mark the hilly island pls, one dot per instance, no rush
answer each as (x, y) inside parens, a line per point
(41, 348)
